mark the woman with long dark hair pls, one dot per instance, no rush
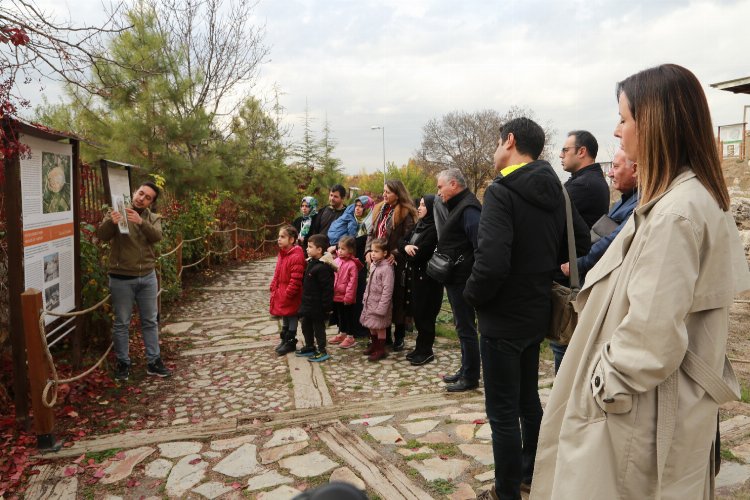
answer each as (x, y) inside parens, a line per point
(636, 400)
(392, 219)
(424, 295)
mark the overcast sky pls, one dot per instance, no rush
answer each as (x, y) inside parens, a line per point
(399, 63)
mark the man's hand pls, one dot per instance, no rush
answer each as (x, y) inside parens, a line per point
(116, 216)
(133, 216)
(411, 250)
(565, 268)
(332, 249)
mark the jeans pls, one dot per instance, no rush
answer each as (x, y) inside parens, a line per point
(511, 372)
(559, 351)
(466, 326)
(142, 291)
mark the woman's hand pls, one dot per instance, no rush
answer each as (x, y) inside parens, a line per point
(391, 259)
(368, 258)
(411, 250)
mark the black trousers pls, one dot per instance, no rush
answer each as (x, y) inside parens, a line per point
(314, 331)
(426, 299)
(345, 314)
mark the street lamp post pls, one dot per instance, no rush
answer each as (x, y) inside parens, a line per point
(381, 128)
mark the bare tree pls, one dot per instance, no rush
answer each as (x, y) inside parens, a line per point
(35, 46)
(221, 51)
(467, 141)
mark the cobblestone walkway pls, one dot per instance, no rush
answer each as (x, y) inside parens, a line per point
(236, 421)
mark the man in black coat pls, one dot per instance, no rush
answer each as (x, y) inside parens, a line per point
(587, 186)
(588, 191)
(335, 209)
(457, 238)
(521, 240)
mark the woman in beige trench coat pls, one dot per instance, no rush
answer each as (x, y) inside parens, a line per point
(632, 414)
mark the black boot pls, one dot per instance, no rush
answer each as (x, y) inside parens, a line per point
(282, 339)
(289, 345)
(398, 341)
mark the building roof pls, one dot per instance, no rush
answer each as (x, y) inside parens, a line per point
(738, 86)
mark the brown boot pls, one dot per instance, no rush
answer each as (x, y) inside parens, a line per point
(379, 352)
(370, 348)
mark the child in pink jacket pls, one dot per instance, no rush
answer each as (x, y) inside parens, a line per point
(345, 291)
(377, 302)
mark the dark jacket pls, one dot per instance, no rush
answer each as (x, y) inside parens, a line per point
(317, 289)
(620, 213)
(132, 254)
(458, 233)
(323, 220)
(589, 193)
(521, 244)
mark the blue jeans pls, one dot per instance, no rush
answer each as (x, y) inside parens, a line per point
(511, 372)
(559, 351)
(466, 327)
(143, 292)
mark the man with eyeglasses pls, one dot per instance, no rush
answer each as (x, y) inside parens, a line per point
(587, 186)
(588, 191)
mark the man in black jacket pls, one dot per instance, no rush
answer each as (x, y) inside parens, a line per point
(587, 186)
(335, 209)
(457, 238)
(588, 191)
(521, 234)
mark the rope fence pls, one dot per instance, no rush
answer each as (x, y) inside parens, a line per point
(53, 382)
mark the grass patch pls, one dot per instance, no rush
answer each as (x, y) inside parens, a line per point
(744, 393)
(413, 443)
(418, 456)
(357, 387)
(445, 449)
(404, 383)
(545, 351)
(442, 486)
(446, 331)
(367, 437)
(100, 456)
(727, 455)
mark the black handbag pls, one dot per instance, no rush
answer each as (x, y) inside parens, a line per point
(440, 267)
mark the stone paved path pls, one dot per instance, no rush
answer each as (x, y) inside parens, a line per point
(236, 421)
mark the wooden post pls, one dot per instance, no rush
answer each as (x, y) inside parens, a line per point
(44, 418)
(178, 256)
(236, 240)
(207, 243)
(77, 340)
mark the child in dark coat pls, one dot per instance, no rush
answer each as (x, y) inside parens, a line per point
(378, 304)
(317, 298)
(286, 287)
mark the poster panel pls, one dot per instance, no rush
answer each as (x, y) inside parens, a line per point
(119, 182)
(731, 139)
(48, 224)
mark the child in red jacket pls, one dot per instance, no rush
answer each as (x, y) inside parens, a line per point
(286, 287)
(345, 291)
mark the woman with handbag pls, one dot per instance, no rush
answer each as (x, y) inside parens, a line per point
(392, 220)
(424, 294)
(637, 397)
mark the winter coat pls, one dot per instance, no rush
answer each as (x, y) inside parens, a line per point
(397, 228)
(286, 285)
(317, 288)
(522, 242)
(345, 282)
(629, 416)
(377, 303)
(345, 225)
(589, 193)
(619, 213)
(132, 254)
